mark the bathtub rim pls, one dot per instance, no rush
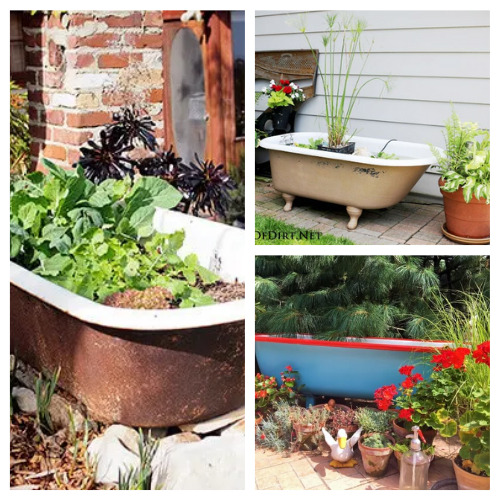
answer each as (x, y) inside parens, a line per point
(370, 343)
(272, 143)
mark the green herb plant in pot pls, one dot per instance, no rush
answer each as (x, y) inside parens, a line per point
(376, 441)
(465, 181)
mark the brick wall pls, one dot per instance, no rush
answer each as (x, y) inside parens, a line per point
(82, 66)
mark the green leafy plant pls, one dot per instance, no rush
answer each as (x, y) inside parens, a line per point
(474, 434)
(377, 440)
(342, 86)
(403, 447)
(140, 478)
(373, 420)
(436, 403)
(20, 138)
(466, 160)
(313, 144)
(44, 391)
(96, 240)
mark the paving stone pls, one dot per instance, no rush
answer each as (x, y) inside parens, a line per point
(290, 481)
(417, 241)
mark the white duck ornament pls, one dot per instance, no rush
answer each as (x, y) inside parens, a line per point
(342, 448)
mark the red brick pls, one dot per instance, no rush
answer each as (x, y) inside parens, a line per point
(56, 53)
(132, 21)
(40, 132)
(54, 151)
(146, 40)
(92, 119)
(33, 114)
(52, 79)
(54, 116)
(73, 155)
(113, 61)
(73, 137)
(36, 96)
(113, 98)
(153, 18)
(34, 39)
(79, 60)
(156, 95)
(79, 19)
(34, 58)
(35, 148)
(96, 41)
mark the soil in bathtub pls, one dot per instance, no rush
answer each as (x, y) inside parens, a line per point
(98, 240)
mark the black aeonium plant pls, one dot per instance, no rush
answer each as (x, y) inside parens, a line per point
(164, 164)
(206, 185)
(106, 160)
(130, 128)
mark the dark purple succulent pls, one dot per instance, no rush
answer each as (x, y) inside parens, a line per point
(164, 164)
(208, 186)
(105, 160)
(130, 128)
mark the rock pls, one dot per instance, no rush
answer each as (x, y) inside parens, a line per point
(215, 423)
(214, 463)
(25, 400)
(237, 428)
(60, 412)
(112, 452)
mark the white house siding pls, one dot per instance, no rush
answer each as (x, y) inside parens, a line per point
(433, 58)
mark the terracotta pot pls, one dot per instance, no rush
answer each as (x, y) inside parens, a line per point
(467, 220)
(468, 481)
(375, 460)
(401, 431)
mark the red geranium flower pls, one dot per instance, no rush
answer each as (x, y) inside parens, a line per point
(407, 383)
(482, 353)
(406, 414)
(262, 436)
(406, 370)
(277, 88)
(417, 378)
(449, 357)
(384, 395)
(287, 89)
(289, 368)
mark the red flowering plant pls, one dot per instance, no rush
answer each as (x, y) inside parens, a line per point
(438, 402)
(284, 93)
(267, 390)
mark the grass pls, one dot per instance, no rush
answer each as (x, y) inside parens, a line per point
(295, 235)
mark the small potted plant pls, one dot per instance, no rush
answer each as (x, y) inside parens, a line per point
(307, 422)
(267, 391)
(283, 97)
(375, 443)
(472, 464)
(465, 181)
(342, 417)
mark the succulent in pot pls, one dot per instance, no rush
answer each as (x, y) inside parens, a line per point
(376, 451)
(465, 179)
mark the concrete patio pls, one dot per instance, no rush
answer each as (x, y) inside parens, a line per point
(311, 471)
(416, 220)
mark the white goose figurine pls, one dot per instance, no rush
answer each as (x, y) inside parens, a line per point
(342, 449)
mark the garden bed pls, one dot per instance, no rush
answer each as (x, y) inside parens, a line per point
(127, 365)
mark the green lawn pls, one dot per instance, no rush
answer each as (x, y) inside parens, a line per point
(291, 235)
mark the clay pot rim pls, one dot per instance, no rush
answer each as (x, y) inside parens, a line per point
(458, 193)
(455, 464)
(386, 434)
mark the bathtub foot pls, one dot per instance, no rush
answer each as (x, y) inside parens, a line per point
(288, 201)
(354, 214)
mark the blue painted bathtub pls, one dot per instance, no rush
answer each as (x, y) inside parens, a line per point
(355, 368)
